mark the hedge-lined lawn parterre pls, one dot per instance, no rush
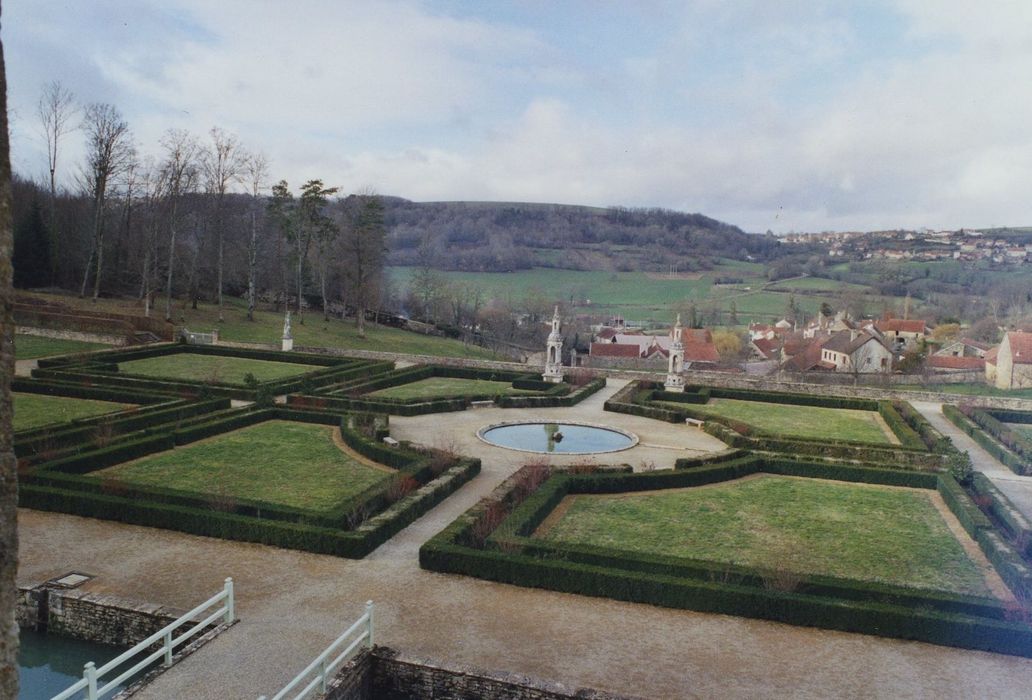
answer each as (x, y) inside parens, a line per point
(435, 387)
(31, 347)
(1024, 429)
(293, 464)
(806, 526)
(35, 410)
(812, 422)
(200, 367)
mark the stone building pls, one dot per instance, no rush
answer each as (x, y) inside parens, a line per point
(1014, 361)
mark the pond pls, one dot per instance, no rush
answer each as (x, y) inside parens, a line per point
(47, 663)
(557, 438)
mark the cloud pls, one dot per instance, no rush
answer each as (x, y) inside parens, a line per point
(807, 116)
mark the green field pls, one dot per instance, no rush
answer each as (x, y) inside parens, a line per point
(639, 296)
(812, 422)
(293, 464)
(212, 368)
(34, 410)
(807, 526)
(31, 347)
(434, 387)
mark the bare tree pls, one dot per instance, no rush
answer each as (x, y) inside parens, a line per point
(154, 189)
(56, 113)
(223, 162)
(179, 172)
(8, 470)
(257, 172)
(109, 149)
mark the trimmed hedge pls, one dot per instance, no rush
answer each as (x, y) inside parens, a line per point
(62, 485)
(963, 421)
(510, 556)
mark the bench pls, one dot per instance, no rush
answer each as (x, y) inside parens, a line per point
(391, 441)
(694, 422)
(481, 404)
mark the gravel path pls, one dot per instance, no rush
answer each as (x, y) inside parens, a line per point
(291, 604)
(1017, 488)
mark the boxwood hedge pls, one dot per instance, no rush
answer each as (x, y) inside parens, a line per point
(510, 555)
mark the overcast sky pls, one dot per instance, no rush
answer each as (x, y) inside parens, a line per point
(801, 116)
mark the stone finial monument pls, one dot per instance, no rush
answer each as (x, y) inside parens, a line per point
(674, 379)
(554, 352)
(288, 339)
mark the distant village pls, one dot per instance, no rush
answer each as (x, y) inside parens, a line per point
(828, 344)
(966, 245)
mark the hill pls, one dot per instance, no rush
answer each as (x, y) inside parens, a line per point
(510, 236)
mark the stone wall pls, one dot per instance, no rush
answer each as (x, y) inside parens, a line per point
(800, 383)
(94, 617)
(73, 335)
(384, 674)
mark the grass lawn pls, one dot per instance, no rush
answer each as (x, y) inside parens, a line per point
(212, 367)
(34, 410)
(447, 386)
(1024, 429)
(813, 526)
(293, 464)
(31, 347)
(267, 327)
(811, 422)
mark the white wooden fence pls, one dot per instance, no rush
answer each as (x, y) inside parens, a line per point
(92, 677)
(314, 679)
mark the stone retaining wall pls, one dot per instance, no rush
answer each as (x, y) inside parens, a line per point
(118, 340)
(384, 674)
(725, 379)
(90, 616)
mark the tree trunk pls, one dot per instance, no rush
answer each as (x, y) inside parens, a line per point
(252, 260)
(360, 320)
(300, 281)
(221, 318)
(171, 266)
(322, 289)
(8, 463)
(98, 235)
(86, 274)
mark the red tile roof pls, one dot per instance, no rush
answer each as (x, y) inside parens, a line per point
(951, 362)
(614, 350)
(767, 348)
(899, 325)
(607, 333)
(990, 356)
(1021, 347)
(695, 351)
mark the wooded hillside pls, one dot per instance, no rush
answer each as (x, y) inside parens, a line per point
(508, 236)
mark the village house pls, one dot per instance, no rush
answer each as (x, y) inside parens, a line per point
(852, 351)
(963, 347)
(900, 332)
(1013, 362)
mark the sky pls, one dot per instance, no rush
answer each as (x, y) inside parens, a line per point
(777, 115)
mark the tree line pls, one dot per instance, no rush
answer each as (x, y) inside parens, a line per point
(194, 217)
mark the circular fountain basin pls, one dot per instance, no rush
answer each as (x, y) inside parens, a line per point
(557, 438)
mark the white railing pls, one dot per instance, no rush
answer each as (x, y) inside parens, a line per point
(321, 671)
(91, 675)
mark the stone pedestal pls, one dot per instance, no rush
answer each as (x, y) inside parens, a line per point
(287, 344)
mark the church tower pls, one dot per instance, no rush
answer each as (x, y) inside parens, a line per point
(674, 380)
(554, 352)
